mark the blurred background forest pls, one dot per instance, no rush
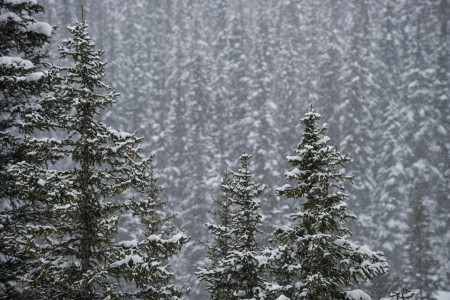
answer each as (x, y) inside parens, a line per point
(205, 81)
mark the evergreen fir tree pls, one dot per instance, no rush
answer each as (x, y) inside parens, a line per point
(239, 271)
(21, 80)
(314, 258)
(421, 267)
(218, 286)
(79, 254)
(245, 220)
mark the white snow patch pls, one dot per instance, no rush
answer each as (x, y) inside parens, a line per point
(128, 244)
(284, 188)
(323, 140)
(35, 76)
(18, 2)
(357, 295)
(16, 62)
(41, 27)
(135, 258)
(177, 237)
(9, 15)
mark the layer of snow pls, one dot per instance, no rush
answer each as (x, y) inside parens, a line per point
(18, 2)
(35, 76)
(41, 27)
(14, 61)
(357, 295)
(137, 259)
(284, 188)
(323, 140)
(128, 244)
(9, 15)
(177, 237)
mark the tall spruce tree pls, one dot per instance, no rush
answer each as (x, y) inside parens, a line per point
(239, 271)
(21, 80)
(421, 267)
(79, 254)
(314, 258)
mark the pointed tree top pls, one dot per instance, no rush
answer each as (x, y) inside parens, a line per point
(311, 115)
(245, 157)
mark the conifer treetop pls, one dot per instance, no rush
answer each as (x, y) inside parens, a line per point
(243, 192)
(317, 177)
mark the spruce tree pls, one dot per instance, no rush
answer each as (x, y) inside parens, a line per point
(79, 254)
(21, 80)
(217, 284)
(421, 267)
(314, 258)
(239, 271)
(242, 261)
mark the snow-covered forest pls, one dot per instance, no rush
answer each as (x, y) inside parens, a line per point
(230, 96)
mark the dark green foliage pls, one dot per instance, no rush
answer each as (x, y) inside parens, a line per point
(314, 258)
(21, 59)
(80, 254)
(236, 271)
(242, 260)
